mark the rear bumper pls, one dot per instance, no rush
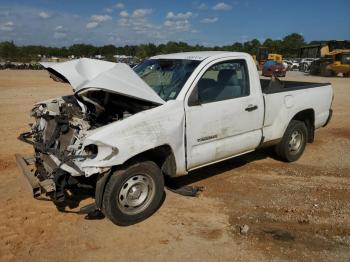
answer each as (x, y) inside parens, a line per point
(269, 73)
(25, 164)
(329, 117)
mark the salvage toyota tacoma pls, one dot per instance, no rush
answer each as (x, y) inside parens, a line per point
(124, 130)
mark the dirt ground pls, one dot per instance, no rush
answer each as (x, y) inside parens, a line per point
(298, 211)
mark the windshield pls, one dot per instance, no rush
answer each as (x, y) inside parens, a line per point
(269, 63)
(166, 77)
(345, 58)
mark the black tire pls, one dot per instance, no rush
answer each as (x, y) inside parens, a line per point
(288, 149)
(346, 74)
(314, 69)
(326, 72)
(119, 203)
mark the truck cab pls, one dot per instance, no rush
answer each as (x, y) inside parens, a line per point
(226, 92)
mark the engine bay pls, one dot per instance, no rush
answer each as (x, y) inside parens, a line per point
(59, 129)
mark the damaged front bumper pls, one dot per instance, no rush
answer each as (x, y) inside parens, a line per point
(57, 136)
(63, 156)
(40, 185)
(26, 164)
(46, 174)
(49, 174)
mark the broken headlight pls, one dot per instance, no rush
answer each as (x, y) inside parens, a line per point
(91, 151)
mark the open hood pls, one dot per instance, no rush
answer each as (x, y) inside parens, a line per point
(85, 74)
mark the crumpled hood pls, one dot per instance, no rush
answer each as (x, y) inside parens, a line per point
(84, 74)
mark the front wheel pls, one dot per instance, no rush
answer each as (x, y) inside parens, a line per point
(134, 193)
(326, 72)
(314, 70)
(293, 141)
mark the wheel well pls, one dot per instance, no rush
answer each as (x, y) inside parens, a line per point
(308, 117)
(163, 156)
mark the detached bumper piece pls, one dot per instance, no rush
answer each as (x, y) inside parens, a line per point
(26, 137)
(27, 167)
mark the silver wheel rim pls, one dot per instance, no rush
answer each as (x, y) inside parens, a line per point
(136, 194)
(295, 142)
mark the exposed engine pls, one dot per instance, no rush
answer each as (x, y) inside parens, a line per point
(59, 130)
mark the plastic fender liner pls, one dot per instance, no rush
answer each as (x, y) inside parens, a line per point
(100, 187)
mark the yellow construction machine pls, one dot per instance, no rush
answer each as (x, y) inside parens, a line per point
(332, 64)
(275, 57)
(263, 55)
(330, 57)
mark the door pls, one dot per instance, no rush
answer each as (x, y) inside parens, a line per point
(223, 116)
(341, 63)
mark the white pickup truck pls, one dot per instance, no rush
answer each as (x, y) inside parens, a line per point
(124, 129)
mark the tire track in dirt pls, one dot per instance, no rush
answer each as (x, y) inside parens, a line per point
(289, 208)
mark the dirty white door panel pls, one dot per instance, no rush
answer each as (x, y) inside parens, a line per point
(218, 130)
(223, 127)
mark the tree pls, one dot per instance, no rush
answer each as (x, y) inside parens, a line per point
(141, 51)
(83, 50)
(251, 46)
(291, 43)
(255, 43)
(108, 50)
(269, 43)
(238, 47)
(8, 50)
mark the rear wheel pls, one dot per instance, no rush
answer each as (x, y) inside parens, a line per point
(314, 69)
(347, 74)
(134, 193)
(293, 141)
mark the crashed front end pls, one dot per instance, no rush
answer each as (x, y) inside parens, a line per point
(62, 158)
(57, 135)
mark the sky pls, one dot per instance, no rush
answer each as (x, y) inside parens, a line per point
(207, 22)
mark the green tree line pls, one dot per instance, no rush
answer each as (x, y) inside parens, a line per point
(288, 47)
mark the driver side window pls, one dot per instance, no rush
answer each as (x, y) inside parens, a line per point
(224, 80)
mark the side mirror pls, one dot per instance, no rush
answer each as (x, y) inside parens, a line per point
(194, 99)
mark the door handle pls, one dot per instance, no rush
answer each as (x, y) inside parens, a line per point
(251, 108)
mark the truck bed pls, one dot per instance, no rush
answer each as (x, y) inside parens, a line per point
(270, 86)
(285, 99)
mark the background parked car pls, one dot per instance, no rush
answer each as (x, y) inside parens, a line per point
(273, 67)
(287, 64)
(305, 63)
(295, 65)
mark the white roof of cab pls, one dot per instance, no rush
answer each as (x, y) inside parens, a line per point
(199, 55)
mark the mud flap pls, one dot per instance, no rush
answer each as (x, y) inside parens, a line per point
(100, 188)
